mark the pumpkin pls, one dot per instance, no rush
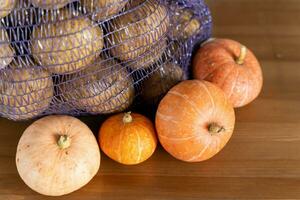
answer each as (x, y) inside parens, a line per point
(103, 9)
(50, 4)
(69, 44)
(232, 67)
(184, 24)
(6, 51)
(6, 7)
(143, 25)
(128, 138)
(160, 81)
(57, 155)
(194, 121)
(25, 91)
(105, 87)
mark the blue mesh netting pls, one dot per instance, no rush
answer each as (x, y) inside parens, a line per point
(94, 56)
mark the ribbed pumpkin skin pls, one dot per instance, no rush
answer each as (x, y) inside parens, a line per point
(183, 117)
(50, 170)
(216, 63)
(130, 143)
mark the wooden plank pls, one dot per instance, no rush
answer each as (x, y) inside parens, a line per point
(173, 188)
(261, 161)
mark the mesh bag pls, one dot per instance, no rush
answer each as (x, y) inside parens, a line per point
(94, 56)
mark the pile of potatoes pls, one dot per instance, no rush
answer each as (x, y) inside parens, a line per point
(85, 55)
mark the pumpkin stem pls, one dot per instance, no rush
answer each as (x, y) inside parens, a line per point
(127, 118)
(64, 141)
(241, 59)
(214, 128)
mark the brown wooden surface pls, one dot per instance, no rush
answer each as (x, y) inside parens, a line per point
(262, 161)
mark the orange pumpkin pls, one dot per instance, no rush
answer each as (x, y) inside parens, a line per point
(194, 121)
(128, 138)
(232, 67)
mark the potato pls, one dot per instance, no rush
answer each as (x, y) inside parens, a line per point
(149, 57)
(24, 17)
(160, 82)
(24, 92)
(135, 32)
(6, 6)
(69, 45)
(103, 88)
(6, 51)
(174, 52)
(184, 25)
(50, 4)
(103, 9)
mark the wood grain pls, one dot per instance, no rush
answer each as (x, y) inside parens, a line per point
(262, 160)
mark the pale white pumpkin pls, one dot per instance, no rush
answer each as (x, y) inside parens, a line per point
(57, 155)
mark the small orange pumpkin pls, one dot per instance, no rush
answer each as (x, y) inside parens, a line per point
(128, 138)
(194, 121)
(232, 67)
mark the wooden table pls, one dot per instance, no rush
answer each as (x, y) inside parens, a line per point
(262, 160)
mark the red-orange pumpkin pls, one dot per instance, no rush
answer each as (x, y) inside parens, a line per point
(194, 121)
(232, 67)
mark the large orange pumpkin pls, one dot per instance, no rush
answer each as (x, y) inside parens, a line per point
(232, 67)
(128, 138)
(194, 121)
